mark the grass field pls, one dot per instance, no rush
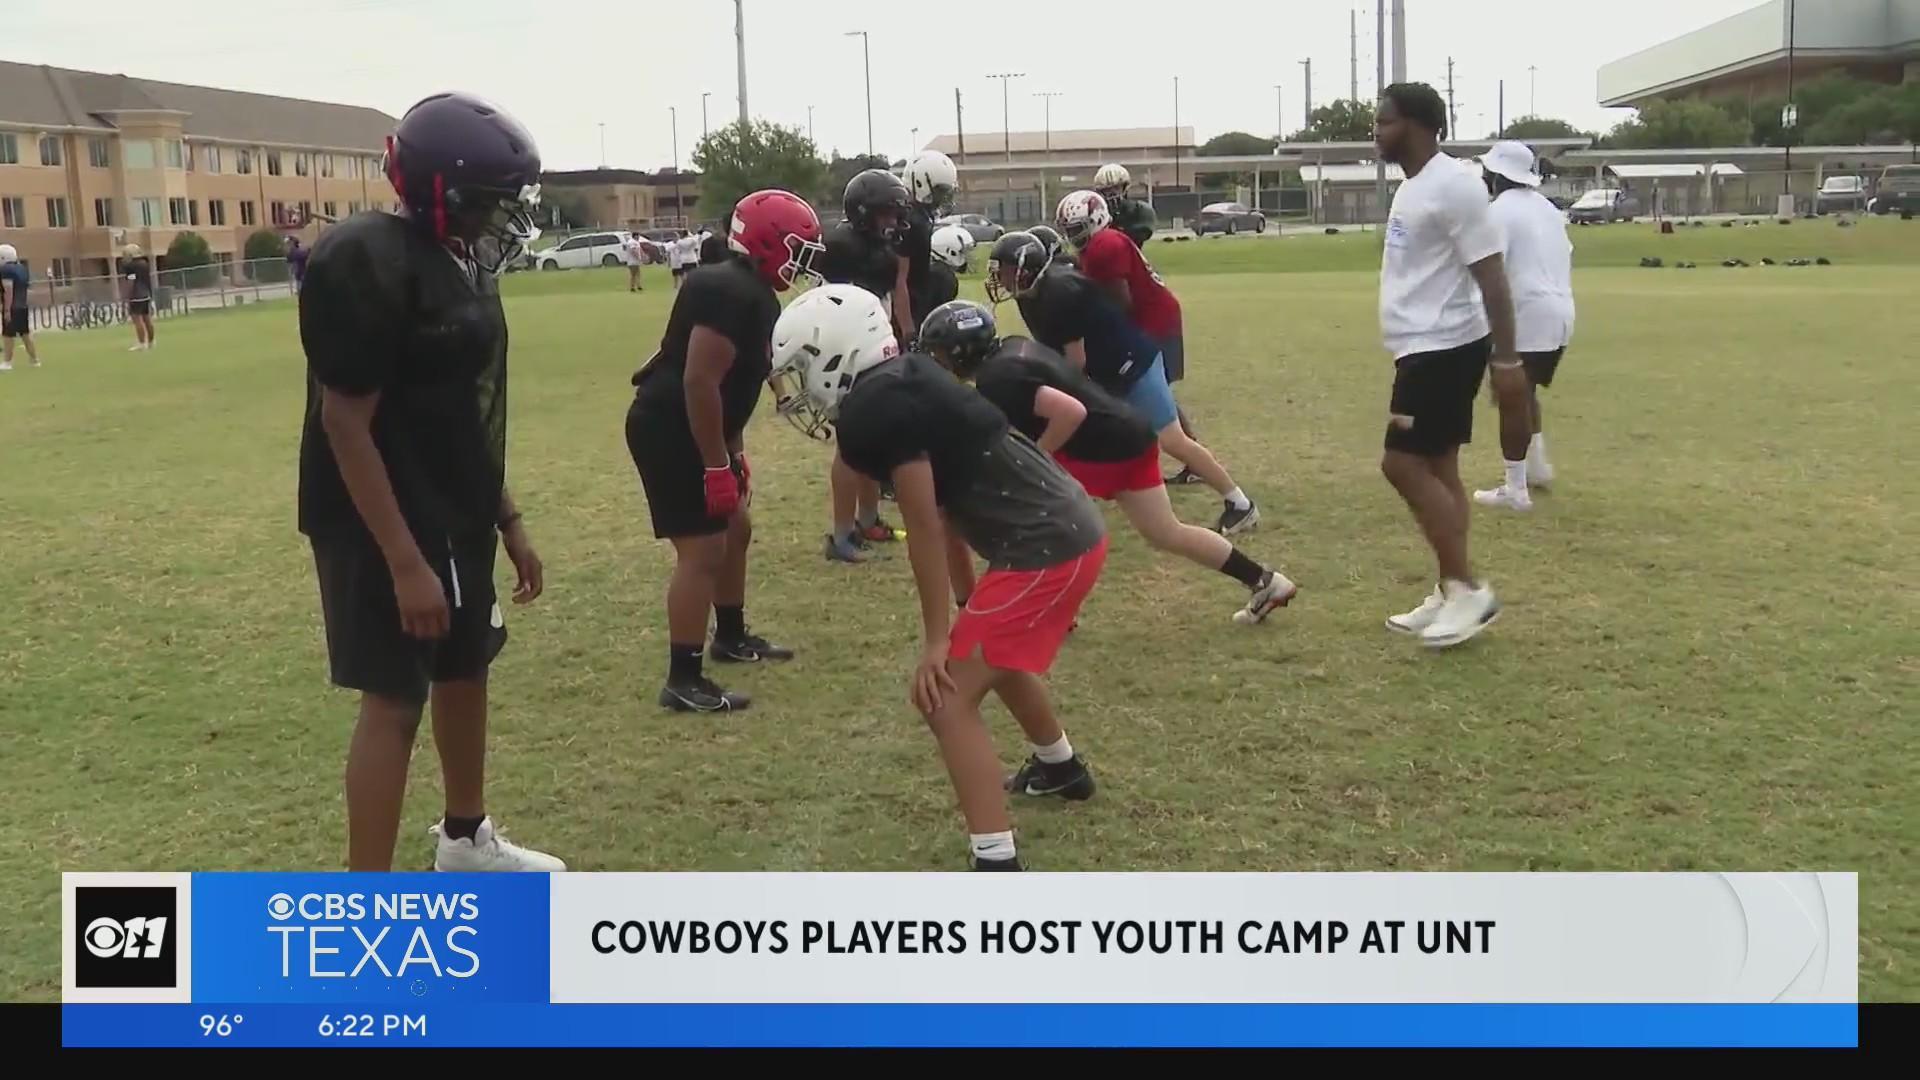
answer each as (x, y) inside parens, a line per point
(1710, 624)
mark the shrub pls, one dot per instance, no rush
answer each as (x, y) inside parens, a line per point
(266, 255)
(190, 255)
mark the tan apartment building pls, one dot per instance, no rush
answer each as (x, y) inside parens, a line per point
(623, 198)
(90, 162)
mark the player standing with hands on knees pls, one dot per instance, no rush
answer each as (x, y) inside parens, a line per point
(1446, 315)
(965, 484)
(403, 467)
(685, 430)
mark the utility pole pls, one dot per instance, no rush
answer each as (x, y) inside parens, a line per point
(675, 115)
(810, 125)
(1533, 88)
(1790, 117)
(603, 144)
(1399, 39)
(1308, 64)
(866, 59)
(960, 134)
(1380, 75)
(1453, 122)
(1279, 113)
(1502, 128)
(1046, 97)
(1353, 56)
(740, 54)
(1006, 121)
(1176, 131)
(704, 95)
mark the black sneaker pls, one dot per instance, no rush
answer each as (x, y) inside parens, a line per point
(1067, 780)
(1183, 477)
(997, 864)
(702, 695)
(746, 649)
(1234, 521)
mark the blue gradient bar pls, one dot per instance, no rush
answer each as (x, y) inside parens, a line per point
(487, 1024)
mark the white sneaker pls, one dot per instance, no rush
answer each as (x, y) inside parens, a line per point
(1417, 620)
(1539, 473)
(1505, 498)
(1467, 611)
(1273, 594)
(138, 348)
(4, 366)
(488, 851)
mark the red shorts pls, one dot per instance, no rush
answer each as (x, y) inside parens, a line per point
(1019, 618)
(1105, 479)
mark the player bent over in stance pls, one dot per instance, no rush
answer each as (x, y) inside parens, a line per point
(963, 480)
(403, 467)
(1094, 436)
(684, 430)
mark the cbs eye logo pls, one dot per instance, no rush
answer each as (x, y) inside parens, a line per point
(280, 906)
(125, 937)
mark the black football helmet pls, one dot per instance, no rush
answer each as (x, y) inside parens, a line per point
(871, 194)
(1020, 256)
(1049, 237)
(960, 334)
(468, 172)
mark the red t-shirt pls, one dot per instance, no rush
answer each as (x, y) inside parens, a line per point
(1110, 256)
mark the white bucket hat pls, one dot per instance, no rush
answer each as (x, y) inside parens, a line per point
(1512, 160)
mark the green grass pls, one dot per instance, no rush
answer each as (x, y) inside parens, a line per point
(1710, 623)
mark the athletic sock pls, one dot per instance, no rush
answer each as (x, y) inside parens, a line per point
(683, 663)
(461, 828)
(866, 518)
(1517, 477)
(1537, 448)
(1058, 753)
(729, 621)
(1238, 499)
(992, 846)
(1243, 570)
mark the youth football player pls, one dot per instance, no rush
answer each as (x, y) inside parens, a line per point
(1101, 442)
(1133, 217)
(966, 484)
(403, 466)
(685, 432)
(931, 180)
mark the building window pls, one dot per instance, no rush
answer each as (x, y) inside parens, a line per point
(353, 167)
(103, 212)
(193, 212)
(137, 153)
(216, 212)
(330, 209)
(210, 156)
(326, 165)
(176, 154)
(243, 162)
(299, 164)
(248, 215)
(278, 210)
(177, 211)
(61, 271)
(50, 150)
(273, 163)
(13, 212)
(56, 212)
(306, 211)
(97, 153)
(353, 207)
(146, 212)
(9, 149)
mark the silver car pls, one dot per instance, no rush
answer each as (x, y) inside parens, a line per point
(1229, 218)
(982, 227)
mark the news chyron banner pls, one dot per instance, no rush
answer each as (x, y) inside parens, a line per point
(961, 960)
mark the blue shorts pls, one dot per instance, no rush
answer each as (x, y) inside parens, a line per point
(1152, 398)
(1173, 351)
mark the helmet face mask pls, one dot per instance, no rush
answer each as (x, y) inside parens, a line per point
(951, 245)
(1081, 215)
(875, 203)
(778, 234)
(468, 172)
(823, 342)
(932, 179)
(1112, 181)
(495, 235)
(1015, 266)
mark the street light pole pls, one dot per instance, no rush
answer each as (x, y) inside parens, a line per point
(1533, 88)
(866, 59)
(1791, 119)
(704, 95)
(603, 144)
(1176, 132)
(1046, 97)
(810, 124)
(740, 55)
(1279, 113)
(674, 114)
(1308, 65)
(1006, 119)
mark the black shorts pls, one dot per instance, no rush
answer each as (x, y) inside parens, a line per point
(140, 307)
(367, 650)
(1541, 365)
(17, 324)
(1433, 396)
(672, 473)
(1173, 356)
(682, 271)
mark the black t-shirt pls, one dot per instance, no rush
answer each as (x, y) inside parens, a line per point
(853, 257)
(1013, 377)
(387, 309)
(942, 286)
(1011, 503)
(730, 299)
(1065, 306)
(914, 240)
(139, 276)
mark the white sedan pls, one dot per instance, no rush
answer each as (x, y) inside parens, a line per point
(584, 250)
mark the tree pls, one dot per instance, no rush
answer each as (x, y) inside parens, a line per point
(842, 169)
(1236, 144)
(1890, 114)
(739, 159)
(1341, 121)
(189, 253)
(570, 208)
(1542, 127)
(1674, 124)
(266, 254)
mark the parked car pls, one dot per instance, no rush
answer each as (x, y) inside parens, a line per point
(983, 228)
(1229, 218)
(1604, 204)
(1899, 190)
(587, 249)
(1840, 194)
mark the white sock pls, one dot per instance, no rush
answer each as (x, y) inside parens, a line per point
(993, 846)
(1517, 477)
(1238, 499)
(1537, 448)
(1059, 752)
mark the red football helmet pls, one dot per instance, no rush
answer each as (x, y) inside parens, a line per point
(779, 234)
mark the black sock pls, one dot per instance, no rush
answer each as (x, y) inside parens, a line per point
(729, 621)
(1243, 570)
(683, 663)
(461, 828)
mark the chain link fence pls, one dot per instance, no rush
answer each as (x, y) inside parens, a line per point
(75, 303)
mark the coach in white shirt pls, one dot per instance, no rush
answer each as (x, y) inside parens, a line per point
(1445, 315)
(1539, 261)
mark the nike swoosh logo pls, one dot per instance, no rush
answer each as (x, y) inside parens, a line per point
(1031, 790)
(724, 706)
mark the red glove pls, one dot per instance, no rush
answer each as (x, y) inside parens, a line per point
(723, 492)
(745, 473)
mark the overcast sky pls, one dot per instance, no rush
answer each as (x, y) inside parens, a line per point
(567, 66)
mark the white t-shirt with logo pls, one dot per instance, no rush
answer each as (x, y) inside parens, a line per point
(1439, 226)
(1539, 259)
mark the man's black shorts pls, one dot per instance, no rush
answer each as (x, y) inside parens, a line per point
(683, 271)
(140, 307)
(366, 648)
(671, 472)
(17, 324)
(1433, 396)
(1541, 365)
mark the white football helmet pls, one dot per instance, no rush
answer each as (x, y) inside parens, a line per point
(823, 341)
(9, 255)
(1112, 179)
(1081, 215)
(951, 245)
(932, 178)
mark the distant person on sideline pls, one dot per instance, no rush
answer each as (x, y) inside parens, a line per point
(296, 262)
(137, 288)
(14, 281)
(636, 247)
(1539, 262)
